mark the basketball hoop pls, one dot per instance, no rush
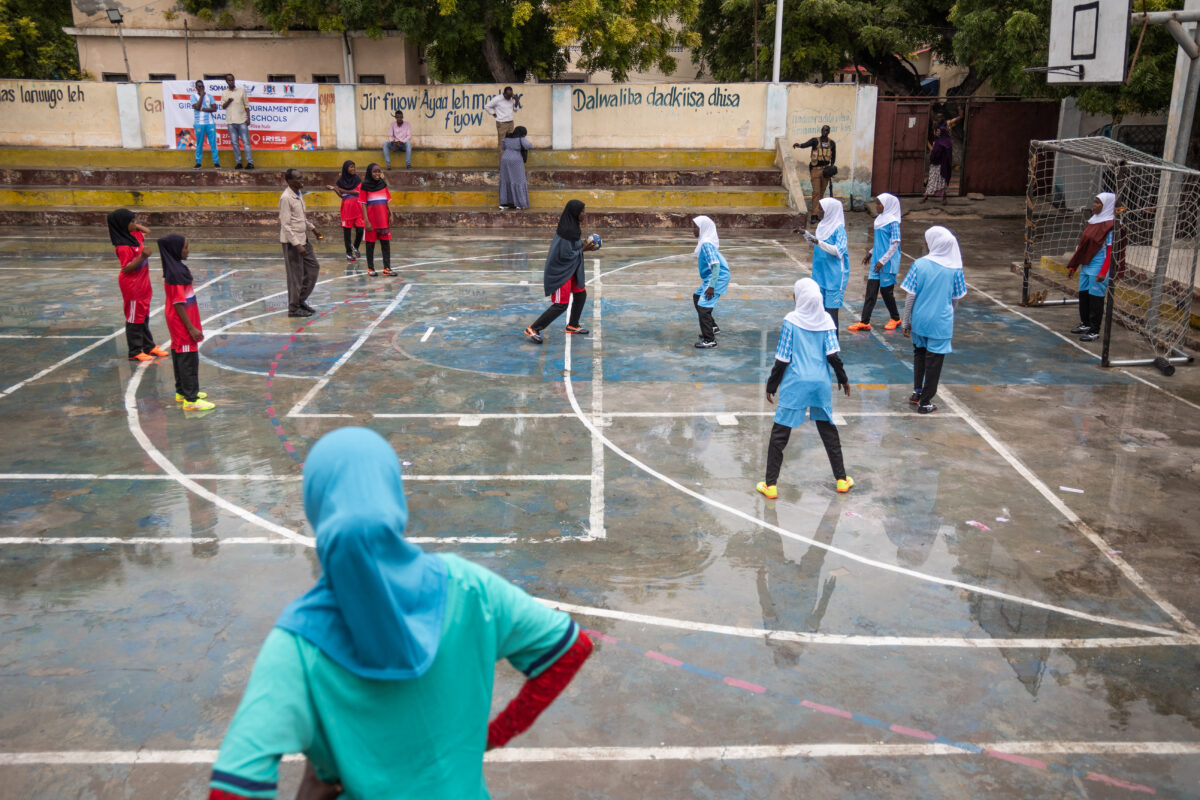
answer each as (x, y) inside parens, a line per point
(1075, 70)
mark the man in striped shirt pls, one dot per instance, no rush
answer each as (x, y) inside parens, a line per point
(203, 108)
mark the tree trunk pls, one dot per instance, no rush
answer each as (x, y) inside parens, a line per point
(969, 85)
(497, 60)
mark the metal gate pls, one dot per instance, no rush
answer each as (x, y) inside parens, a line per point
(991, 143)
(901, 131)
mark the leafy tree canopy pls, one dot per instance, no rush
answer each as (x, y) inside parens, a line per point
(994, 39)
(32, 44)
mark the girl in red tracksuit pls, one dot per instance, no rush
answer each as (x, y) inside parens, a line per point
(374, 196)
(127, 237)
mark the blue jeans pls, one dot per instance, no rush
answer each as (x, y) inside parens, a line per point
(240, 130)
(211, 132)
(388, 147)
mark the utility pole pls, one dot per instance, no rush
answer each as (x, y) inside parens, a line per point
(1187, 75)
(778, 39)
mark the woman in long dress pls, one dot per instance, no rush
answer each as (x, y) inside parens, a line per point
(514, 152)
(941, 160)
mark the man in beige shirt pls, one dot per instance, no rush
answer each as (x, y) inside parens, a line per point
(295, 234)
(237, 117)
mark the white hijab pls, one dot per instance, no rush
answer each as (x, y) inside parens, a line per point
(1108, 201)
(891, 210)
(943, 247)
(708, 233)
(832, 220)
(810, 313)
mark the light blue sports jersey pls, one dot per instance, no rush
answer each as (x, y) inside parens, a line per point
(199, 116)
(1093, 267)
(714, 272)
(883, 241)
(806, 381)
(832, 272)
(935, 288)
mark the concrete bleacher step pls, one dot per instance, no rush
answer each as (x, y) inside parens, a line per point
(643, 188)
(397, 177)
(598, 217)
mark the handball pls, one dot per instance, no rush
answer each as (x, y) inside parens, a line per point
(595, 239)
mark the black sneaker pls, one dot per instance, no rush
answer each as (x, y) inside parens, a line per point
(1081, 329)
(196, 167)
(533, 336)
(915, 397)
(926, 408)
(301, 313)
(705, 344)
(250, 165)
(238, 166)
(308, 308)
(1089, 337)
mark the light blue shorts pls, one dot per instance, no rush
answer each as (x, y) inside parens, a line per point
(794, 417)
(932, 345)
(1092, 285)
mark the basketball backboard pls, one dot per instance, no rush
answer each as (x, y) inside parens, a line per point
(1089, 41)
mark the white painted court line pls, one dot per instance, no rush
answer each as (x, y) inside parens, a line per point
(70, 541)
(728, 752)
(454, 415)
(596, 500)
(16, 386)
(116, 476)
(428, 333)
(855, 640)
(727, 419)
(54, 336)
(362, 338)
(567, 380)
(469, 421)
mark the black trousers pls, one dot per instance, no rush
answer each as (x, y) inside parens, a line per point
(385, 247)
(138, 337)
(302, 270)
(187, 374)
(889, 300)
(358, 237)
(1091, 311)
(927, 370)
(707, 323)
(780, 434)
(833, 312)
(556, 309)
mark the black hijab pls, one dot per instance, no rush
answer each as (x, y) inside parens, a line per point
(568, 223)
(371, 184)
(118, 228)
(565, 259)
(519, 133)
(170, 251)
(348, 182)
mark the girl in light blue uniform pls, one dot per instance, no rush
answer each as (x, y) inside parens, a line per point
(714, 280)
(808, 347)
(831, 256)
(1092, 258)
(935, 284)
(885, 255)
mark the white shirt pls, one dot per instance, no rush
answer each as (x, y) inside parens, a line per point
(500, 108)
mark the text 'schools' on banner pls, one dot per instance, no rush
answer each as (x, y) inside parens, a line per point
(283, 116)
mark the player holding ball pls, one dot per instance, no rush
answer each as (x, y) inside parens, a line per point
(564, 280)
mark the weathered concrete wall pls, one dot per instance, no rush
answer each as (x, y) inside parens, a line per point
(59, 114)
(683, 115)
(449, 117)
(849, 111)
(151, 108)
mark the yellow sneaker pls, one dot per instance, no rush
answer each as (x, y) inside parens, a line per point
(199, 405)
(180, 398)
(769, 492)
(844, 484)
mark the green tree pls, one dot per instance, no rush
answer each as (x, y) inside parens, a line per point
(505, 40)
(820, 37)
(32, 43)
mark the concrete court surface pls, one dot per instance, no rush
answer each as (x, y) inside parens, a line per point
(1003, 607)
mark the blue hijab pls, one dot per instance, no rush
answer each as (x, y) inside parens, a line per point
(377, 609)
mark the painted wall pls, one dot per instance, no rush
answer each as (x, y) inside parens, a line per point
(449, 117)
(849, 111)
(59, 114)
(680, 115)
(150, 107)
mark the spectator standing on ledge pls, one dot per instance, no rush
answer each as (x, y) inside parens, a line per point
(824, 154)
(203, 108)
(502, 107)
(237, 117)
(298, 258)
(399, 138)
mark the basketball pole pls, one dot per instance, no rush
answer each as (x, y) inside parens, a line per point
(779, 39)
(1187, 75)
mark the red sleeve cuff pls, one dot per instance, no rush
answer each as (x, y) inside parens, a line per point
(538, 693)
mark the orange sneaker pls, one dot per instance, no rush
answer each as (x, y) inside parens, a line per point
(844, 484)
(861, 326)
(158, 351)
(141, 357)
(769, 492)
(892, 325)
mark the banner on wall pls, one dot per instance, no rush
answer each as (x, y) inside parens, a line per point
(283, 116)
